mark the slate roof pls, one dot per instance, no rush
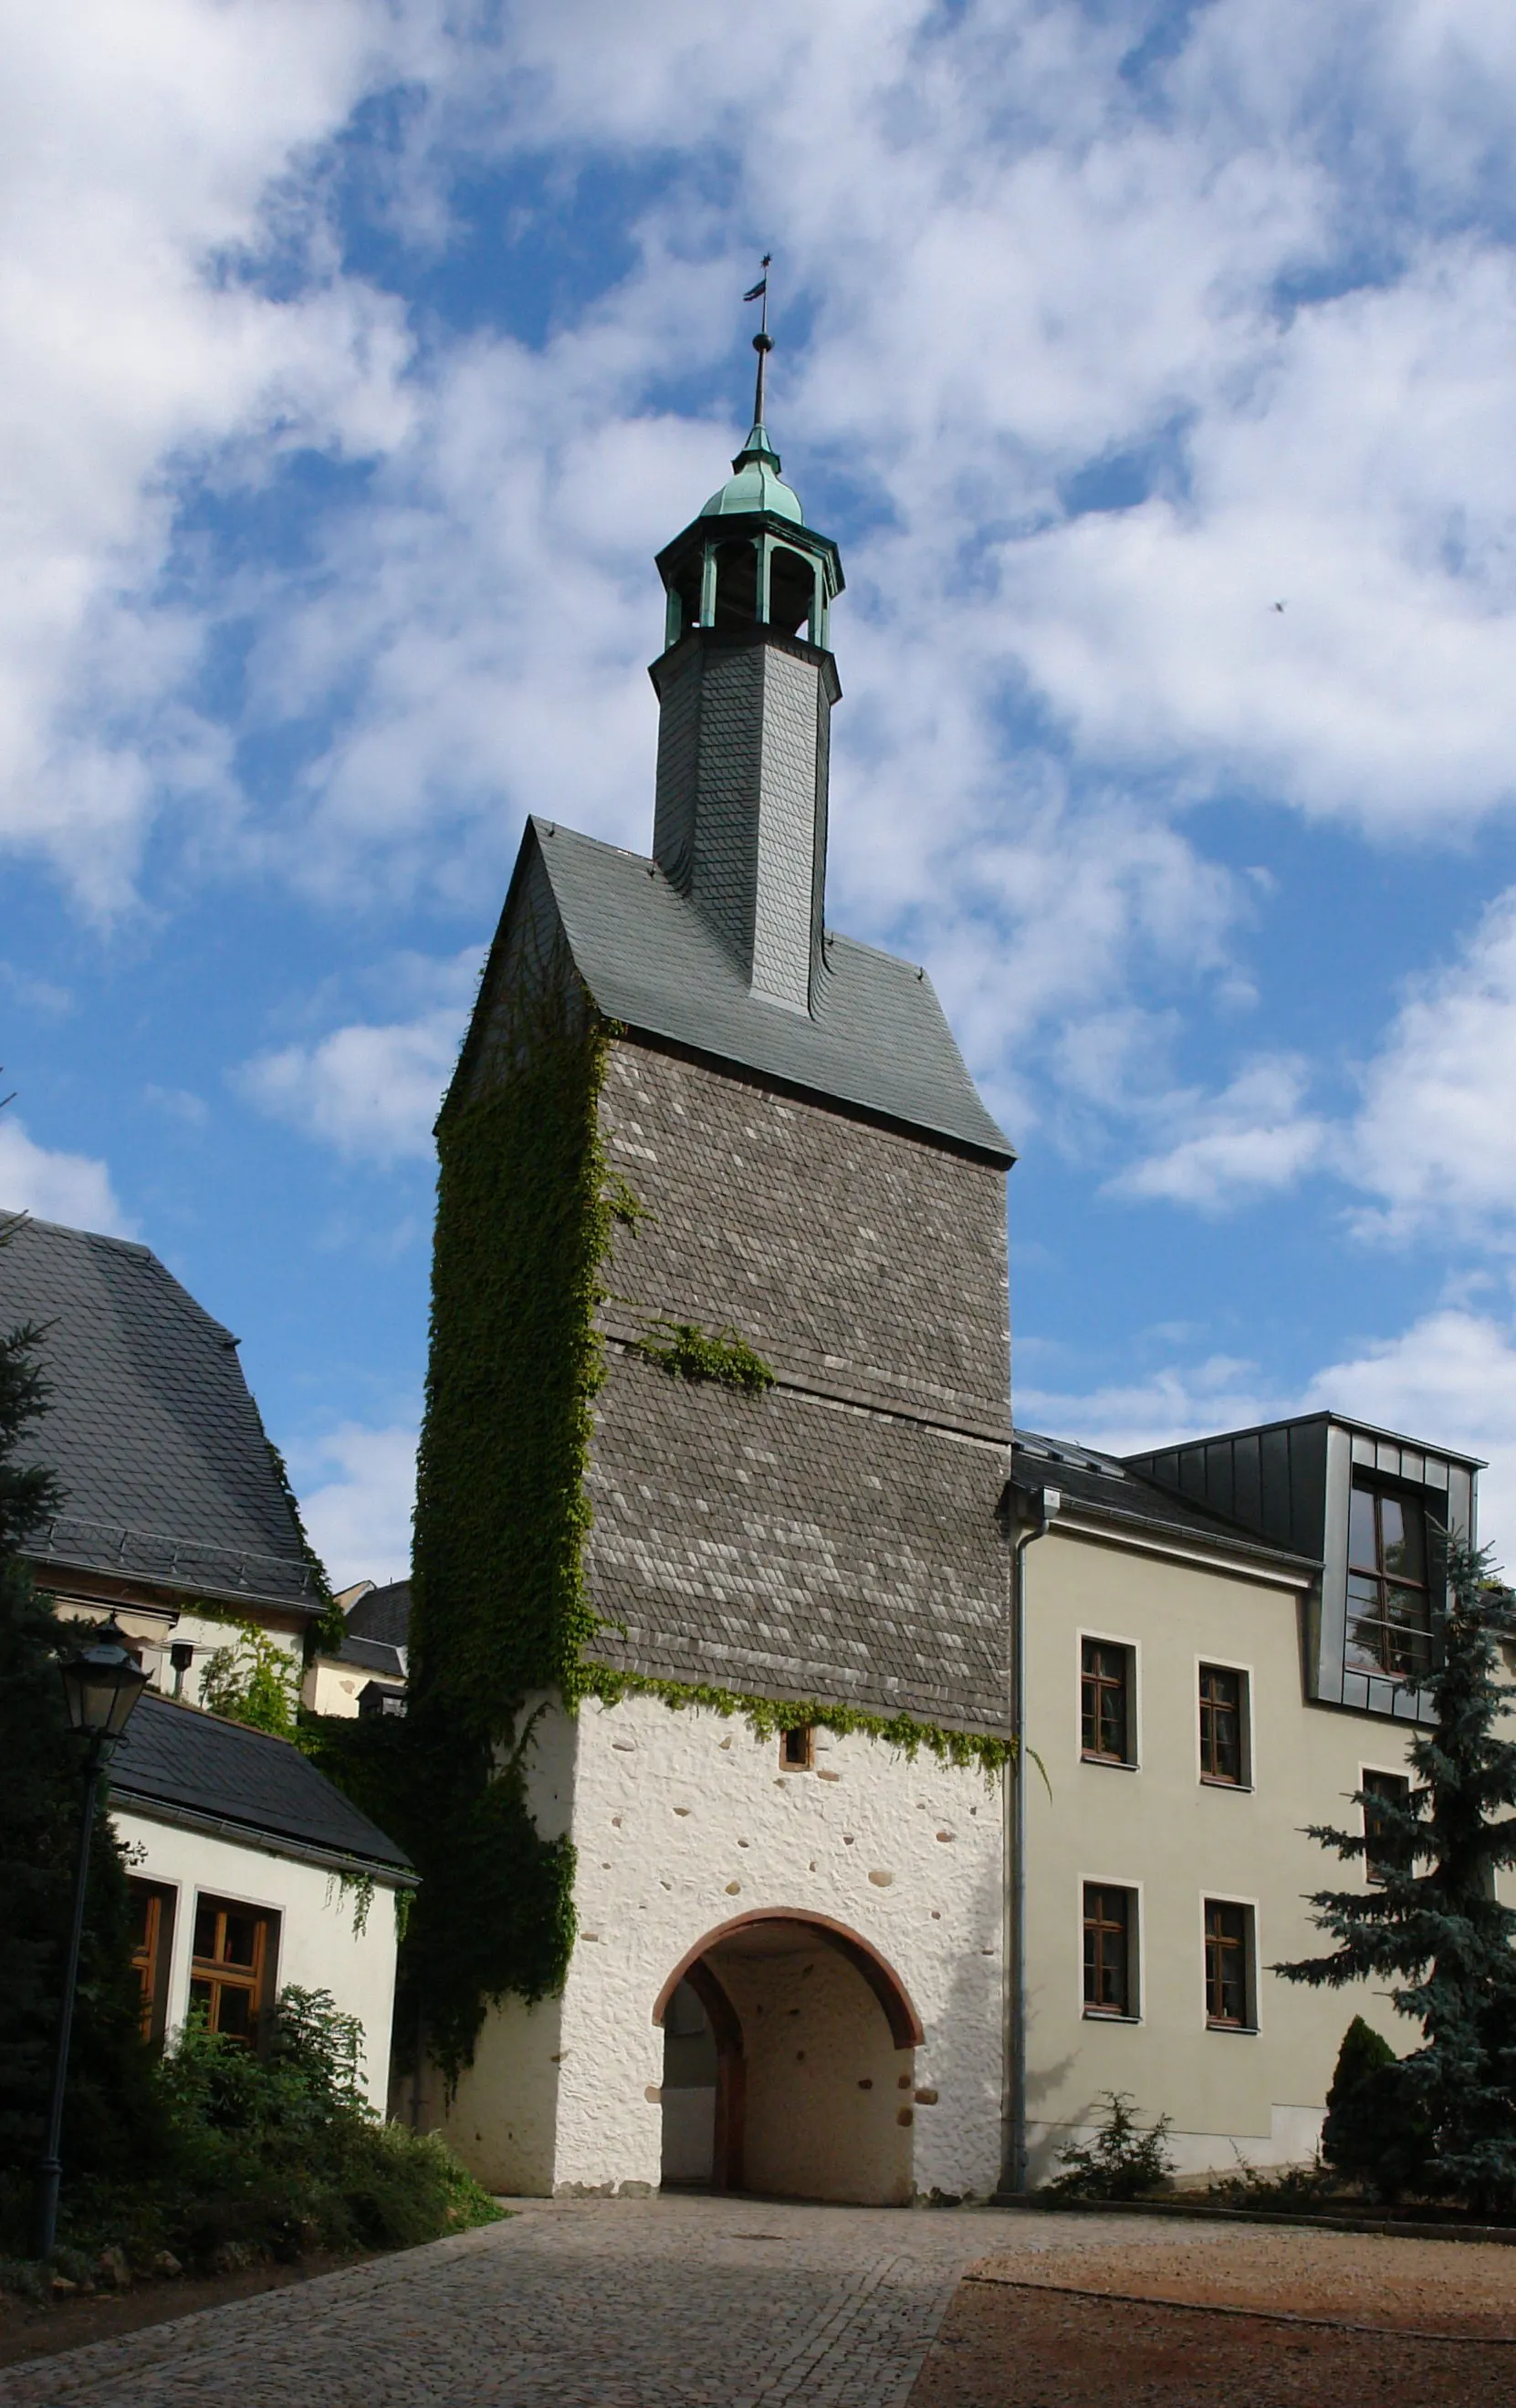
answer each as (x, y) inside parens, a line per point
(150, 1428)
(175, 1756)
(383, 1615)
(373, 1656)
(1110, 1489)
(877, 1035)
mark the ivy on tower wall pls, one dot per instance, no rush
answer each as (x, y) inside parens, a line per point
(499, 1603)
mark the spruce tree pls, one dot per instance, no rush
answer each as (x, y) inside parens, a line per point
(1431, 1924)
(112, 2115)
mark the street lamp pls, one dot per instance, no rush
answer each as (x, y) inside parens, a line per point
(102, 1683)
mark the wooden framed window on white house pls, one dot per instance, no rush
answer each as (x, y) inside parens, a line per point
(1107, 1702)
(1110, 1950)
(1226, 1749)
(233, 1966)
(1230, 1966)
(1383, 1849)
(153, 1932)
(796, 1748)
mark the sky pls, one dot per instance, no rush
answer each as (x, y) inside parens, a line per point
(1154, 366)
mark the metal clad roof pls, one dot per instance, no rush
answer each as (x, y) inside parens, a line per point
(1112, 1487)
(175, 1756)
(150, 1428)
(875, 1038)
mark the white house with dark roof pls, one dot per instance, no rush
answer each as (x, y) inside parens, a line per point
(250, 1871)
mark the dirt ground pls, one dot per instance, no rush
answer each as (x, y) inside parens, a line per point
(1083, 2326)
(30, 2330)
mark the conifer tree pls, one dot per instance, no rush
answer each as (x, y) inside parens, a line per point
(1431, 1924)
(112, 2113)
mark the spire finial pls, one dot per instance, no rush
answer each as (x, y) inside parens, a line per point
(762, 341)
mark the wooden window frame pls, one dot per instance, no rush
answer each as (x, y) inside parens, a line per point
(1245, 1940)
(1210, 1666)
(1094, 1899)
(1369, 1774)
(805, 1760)
(222, 1975)
(1091, 1642)
(151, 1961)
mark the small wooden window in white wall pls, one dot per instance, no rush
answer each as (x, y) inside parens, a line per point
(1229, 1969)
(1110, 1950)
(1107, 1702)
(797, 1747)
(1225, 1740)
(234, 1948)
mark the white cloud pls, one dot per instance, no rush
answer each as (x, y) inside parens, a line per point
(1252, 1140)
(73, 1188)
(1182, 1401)
(372, 1090)
(143, 143)
(358, 1514)
(1436, 1140)
(1450, 1377)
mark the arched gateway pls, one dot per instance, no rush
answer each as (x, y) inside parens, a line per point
(788, 2062)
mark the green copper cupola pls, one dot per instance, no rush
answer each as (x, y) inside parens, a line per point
(746, 684)
(749, 559)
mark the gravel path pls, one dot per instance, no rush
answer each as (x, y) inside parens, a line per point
(1038, 2348)
(1432, 2286)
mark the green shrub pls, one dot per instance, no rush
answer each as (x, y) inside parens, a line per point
(1120, 2162)
(1377, 2131)
(251, 1680)
(268, 2154)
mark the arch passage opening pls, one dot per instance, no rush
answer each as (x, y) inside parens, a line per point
(788, 2065)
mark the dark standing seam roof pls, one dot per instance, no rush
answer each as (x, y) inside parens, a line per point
(1109, 1488)
(876, 1037)
(175, 1756)
(151, 1429)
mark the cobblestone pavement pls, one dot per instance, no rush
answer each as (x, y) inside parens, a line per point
(594, 2304)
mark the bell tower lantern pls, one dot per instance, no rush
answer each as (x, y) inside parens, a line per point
(745, 685)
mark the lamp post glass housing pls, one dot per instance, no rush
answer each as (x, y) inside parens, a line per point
(102, 1683)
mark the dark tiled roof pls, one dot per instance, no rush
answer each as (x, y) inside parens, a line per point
(150, 1428)
(795, 1548)
(175, 1756)
(383, 1615)
(876, 1036)
(1105, 1486)
(372, 1654)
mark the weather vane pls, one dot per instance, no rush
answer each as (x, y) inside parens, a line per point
(762, 341)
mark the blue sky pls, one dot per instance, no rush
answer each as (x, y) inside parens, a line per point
(359, 358)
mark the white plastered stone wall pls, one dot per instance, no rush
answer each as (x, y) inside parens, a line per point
(684, 1824)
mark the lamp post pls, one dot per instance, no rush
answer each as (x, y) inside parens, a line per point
(102, 1683)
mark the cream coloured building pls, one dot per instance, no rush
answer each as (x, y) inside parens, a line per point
(1200, 1687)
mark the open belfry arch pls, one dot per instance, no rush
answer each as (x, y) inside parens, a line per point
(709, 1646)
